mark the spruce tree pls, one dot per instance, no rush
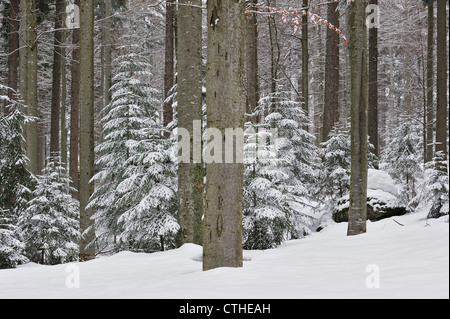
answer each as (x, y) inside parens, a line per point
(16, 182)
(279, 174)
(402, 158)
(50, 224)
(135, 180)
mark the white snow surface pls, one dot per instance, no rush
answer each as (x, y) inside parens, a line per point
(378, 179)
(410, 261)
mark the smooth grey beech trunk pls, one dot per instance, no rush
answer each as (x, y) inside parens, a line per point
(222, 238)
(189, 67)
(359, 119)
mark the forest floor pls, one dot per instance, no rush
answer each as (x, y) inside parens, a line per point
(389, 261)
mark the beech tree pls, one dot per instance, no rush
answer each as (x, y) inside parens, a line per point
(190, 175)
(222, 237)
(359, 118)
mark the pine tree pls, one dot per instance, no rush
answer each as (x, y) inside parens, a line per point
(11, 247)
(50, 224)
(135, 190)
(264, 204)
(334, 172)
(16, 182)
(279, 172)
(402, 157)
(149, 192)
(433, 189)
(335, 165)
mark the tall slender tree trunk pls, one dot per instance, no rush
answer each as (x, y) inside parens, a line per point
(13, 48)
(31, 96)
(169, 60)
(56, 82)
(442, 99)
(274, 51)
(430, 86)
(331, 98)
(305, 64)
(373, 87)
(359, 119)
(75, 110)
(190, 175)
(64, 93)
(23, 51)
(86, 126)
(107, 53)
(222, 239)
(251, 37)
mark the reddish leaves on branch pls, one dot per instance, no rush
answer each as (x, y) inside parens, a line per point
(295, 16)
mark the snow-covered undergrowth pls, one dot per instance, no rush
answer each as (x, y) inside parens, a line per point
(389, 261)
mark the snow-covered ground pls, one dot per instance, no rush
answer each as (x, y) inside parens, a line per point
(389, 261)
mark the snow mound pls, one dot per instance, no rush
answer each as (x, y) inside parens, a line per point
(380, 180)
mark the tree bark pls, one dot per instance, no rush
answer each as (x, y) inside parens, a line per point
(442, 100)
(274, 53)
(56, 82)
(331, 98)
(251, 36)
(305, 65)
(64, 94)
(169, 60)
(222, 239)
(189, 65)
(359, 119)
(13, 49)
(107, 52)
(373, 87)
(23, 52)
(31, 97)
(86, 126)
(75, 110)
(430, 86)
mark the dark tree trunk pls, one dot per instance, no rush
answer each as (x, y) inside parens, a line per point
(75, 110)
(169, 60)
(373, 87)
(305, 65)
(359, 119)
(56, 82)
(13, 48)
(442, 100)
(86, 127)
(251, 36)
(430, 86)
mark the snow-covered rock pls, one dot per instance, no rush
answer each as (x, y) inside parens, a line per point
(382, 200)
